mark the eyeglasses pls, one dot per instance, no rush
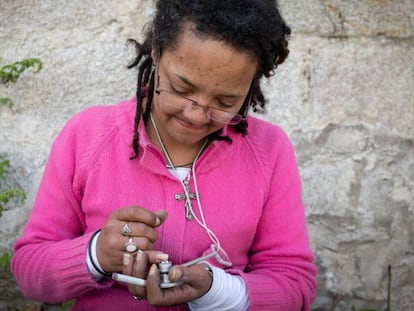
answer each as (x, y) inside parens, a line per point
(182, 103)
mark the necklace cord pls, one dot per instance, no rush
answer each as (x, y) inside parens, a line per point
(215, 247)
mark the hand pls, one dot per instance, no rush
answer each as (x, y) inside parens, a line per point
(194, 281)
(110, 246)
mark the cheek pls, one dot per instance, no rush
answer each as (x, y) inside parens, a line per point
(214, 127)
(160, 110)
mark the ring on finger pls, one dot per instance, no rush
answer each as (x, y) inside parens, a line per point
(126, 230)
(136, 297)
(131, 246)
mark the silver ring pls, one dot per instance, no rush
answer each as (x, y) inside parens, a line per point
(131, 246)
(136, 297)
(126, 230)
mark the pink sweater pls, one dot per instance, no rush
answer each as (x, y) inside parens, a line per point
(251, 196)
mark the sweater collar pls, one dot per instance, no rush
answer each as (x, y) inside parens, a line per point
(151, 157)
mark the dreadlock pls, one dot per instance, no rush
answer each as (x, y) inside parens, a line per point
(254, 26)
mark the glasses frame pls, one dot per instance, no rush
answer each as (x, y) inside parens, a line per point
(234, 120)
(206, 108)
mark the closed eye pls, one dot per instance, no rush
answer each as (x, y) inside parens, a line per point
(223, 105)
(218, 103)
(178, 91)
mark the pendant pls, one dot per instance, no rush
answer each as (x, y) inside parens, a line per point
(187, 201)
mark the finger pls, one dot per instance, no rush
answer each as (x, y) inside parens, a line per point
(161, 217)
(127, 264)
(176, 274)
(156, 256)
(154, 292)
(157, 296)
(139, 229)
(197, 276)
(140, 271)
(138, 214)
(131, 245)
(140, 266)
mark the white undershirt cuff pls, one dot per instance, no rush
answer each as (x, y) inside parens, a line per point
(95, 274)
(227, 293)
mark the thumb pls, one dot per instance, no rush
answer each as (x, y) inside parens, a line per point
(175, 274)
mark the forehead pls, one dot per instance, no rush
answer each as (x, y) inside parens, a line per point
(205, 59)
(188, 30)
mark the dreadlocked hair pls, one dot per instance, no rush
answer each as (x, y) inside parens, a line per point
(252, 26)
(145, 78)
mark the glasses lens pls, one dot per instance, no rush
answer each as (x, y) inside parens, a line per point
(173, 100)
(224, 117)
(182, 103)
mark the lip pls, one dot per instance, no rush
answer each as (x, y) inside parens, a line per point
(189, 125)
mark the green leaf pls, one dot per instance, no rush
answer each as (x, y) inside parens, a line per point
(355, 309)
(4, 165)
(66, 305)
(11, 72)
(10, 194)
(5, 262)
(4, 101)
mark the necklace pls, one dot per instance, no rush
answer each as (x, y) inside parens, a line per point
(217, 251)
(187, 196)
(182, 165)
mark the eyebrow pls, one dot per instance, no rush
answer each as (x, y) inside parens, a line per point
(185, 80)
(189, 83)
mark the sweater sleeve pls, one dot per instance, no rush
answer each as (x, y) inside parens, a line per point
(281, 274)
(49, 258)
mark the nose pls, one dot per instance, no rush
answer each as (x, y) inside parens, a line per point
(197, 114)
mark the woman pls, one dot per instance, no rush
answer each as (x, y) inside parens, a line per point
(179, 175)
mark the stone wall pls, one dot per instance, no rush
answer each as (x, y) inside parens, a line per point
(345, 96)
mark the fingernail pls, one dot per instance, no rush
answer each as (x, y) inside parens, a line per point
(126, 259)
(139, 255)
(157, 222)
(153, 269)
(162, 257)
(175, 274)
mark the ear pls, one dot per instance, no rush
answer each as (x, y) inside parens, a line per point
(154, 56)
